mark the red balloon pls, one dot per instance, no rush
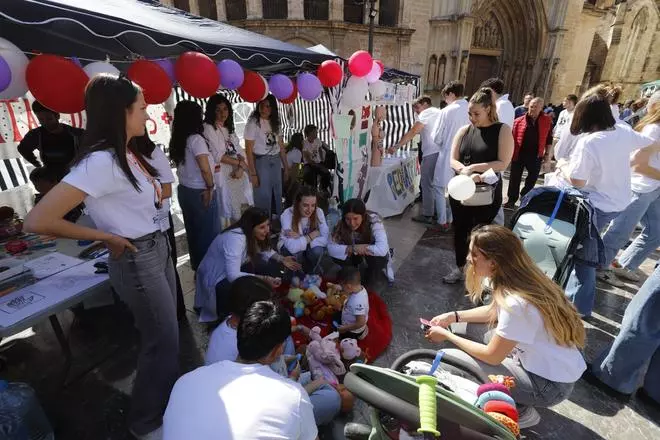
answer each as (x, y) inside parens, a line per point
(293, 96)
(360, 63)
(57, 82)
(155, 83)
(330, 73)
(197, 74)
(254, 87)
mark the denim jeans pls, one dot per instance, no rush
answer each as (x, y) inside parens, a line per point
(269, 172)
(622, 366)
(442, 207)
(530, 390)
(645, 209)
(426, 183)
(581, 286)
(310, 258)
(202, 224)
(145, 281)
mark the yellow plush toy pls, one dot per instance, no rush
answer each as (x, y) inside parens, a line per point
(309, 297)
(295, 294)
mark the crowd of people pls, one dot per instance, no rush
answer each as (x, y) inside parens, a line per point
(530, 330)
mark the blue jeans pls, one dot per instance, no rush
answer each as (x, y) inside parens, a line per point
(645, 209)
(581, 286)
(442, 207)
(622, 365)
(202, 224)
(310, 258)
(269, 172)
(426, 183)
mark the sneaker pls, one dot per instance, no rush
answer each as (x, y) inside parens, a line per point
(528, 416)
(423, 219)
(440, 229)
(454, 276)
(626, 274)
(608, 276)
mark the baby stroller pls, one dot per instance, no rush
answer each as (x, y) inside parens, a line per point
(552, 223)
(393, 396)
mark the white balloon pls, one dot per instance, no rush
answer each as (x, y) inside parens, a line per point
(98, 67)
(354, 93)
(17, 62)
(375, 73)
(461, 187)
(377, 89)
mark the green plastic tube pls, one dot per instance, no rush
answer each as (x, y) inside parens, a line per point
(428, 415)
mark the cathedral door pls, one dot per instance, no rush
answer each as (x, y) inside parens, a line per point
(480, 68)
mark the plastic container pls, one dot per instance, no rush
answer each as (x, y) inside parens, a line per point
(21, 416)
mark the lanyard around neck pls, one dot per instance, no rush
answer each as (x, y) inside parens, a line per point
(158, 192)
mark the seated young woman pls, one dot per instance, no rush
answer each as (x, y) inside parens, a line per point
(360, 240)
(530, 331)
(304, 231)
(241, 249)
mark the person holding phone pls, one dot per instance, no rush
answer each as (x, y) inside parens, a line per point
(241, 249)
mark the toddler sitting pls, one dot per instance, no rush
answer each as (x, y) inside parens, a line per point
(355, 312)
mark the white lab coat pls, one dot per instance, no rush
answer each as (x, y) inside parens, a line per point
(452, 118)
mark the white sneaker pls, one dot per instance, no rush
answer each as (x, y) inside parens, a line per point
(528, 417)
(454, 276)
(608, 276)
(626, 274)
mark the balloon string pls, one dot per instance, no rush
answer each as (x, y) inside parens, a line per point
(180, 42)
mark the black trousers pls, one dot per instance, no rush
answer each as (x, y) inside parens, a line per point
(533, 166)
(466, 218)
(180, 305)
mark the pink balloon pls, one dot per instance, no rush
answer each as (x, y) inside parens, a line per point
(374, 74)
(360, 63)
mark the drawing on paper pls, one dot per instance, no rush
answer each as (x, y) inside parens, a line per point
(51, 264)
(17, 303)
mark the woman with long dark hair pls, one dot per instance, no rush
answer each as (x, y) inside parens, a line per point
(241, 249)
(189, 151)
(304, 230)
(477, 148)
(232, 182)
(530, 331)
(265, 155)
(360, 240)
(122, 195)
(156, 157)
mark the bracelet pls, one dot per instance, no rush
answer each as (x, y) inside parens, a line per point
(456, 316)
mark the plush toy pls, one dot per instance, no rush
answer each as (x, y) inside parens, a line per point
(308, 297)
(347, 398)
(295, 282)
(336, 301)
(295, 294)
(299, 309)
(323, 357)
(311, 280)
(349, 349)
(317, 291)
(319, 311)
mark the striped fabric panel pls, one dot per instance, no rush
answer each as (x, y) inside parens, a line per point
(12, 173)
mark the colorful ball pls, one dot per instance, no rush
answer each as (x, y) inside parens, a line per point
(330, 73)
(57, 82)
(309, 86)
(231, 74)
(291, 97)
(280, 86)
(254, 87)
(503, 408)
(197, 74)
(154, 81)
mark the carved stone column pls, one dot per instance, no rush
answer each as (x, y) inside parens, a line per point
(221, 9)
(254, 9)
(337, 10)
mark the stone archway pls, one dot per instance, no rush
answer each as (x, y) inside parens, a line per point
(512, 35)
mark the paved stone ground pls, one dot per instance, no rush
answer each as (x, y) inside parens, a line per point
(93, 405)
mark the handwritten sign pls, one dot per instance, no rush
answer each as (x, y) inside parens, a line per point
(18, 302)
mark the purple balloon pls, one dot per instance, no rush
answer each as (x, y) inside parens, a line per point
(309, 86)
(280, 86)
(168, 67)
(231, 74)
(5, 74)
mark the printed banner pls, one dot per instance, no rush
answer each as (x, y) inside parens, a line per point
(394, 185)
(354, 155)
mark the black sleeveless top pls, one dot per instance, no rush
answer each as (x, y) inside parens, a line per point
(480, 144)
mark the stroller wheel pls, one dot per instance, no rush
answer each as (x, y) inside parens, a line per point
(449, 362)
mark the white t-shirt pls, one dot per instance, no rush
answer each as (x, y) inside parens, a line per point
(189, 173)
(165, 175)
(294, 157)
(615, 111)
(265, 141)
(222, 344)
(505, 111)
(563, 122)
(536, 349)
(452, 118)
(357, 304)
(429, 117)
(229, 400)
(113, 203)
(603, 160)
(644, 184)
(314, 149)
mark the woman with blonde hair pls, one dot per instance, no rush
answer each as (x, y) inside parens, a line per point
(477, 148)
(644, 207)
(529, 331)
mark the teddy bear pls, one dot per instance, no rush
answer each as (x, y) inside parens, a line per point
(351, 353)
(323, 356)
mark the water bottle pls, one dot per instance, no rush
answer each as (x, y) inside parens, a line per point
(21, 416)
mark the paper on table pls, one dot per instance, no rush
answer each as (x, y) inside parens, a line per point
(50, 264)
(47, 294)
(489, 177)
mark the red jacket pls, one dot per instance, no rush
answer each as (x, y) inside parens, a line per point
(545, 133)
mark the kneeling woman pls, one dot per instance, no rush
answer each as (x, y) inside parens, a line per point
(360, 240)
(241, 249)
(304, 231)
(538, 333)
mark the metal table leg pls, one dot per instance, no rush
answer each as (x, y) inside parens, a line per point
(64, 344)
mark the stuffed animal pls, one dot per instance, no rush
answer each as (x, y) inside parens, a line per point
(295, 294)
(349, 349)
(317, 291)
(295, 282)
(308, 297)
(299, 309)
(311, 280)
(323, 357)
(336, 300)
